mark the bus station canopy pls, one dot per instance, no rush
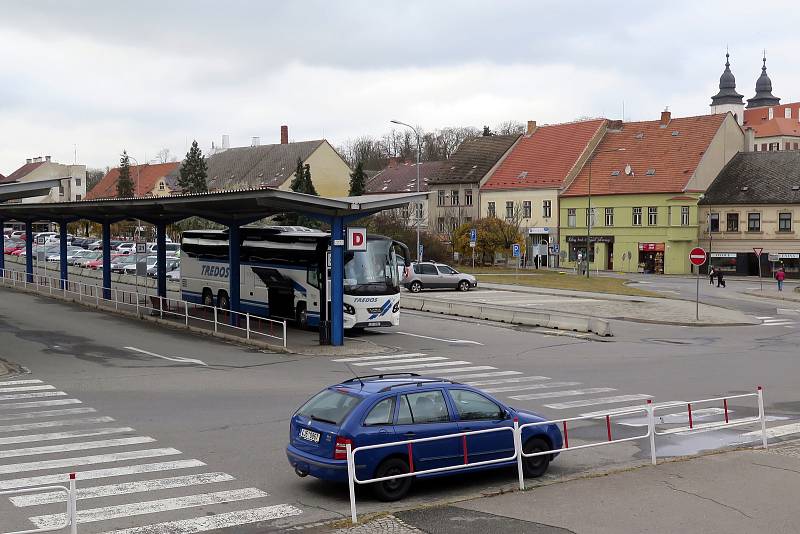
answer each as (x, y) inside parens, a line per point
(20, 190)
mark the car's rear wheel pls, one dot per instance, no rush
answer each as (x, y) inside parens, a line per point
(463, 285)
(395, 489)
(415, 287)
(535, 466)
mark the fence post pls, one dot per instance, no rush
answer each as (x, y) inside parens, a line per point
(186, 312)
(351, 474)
(518, 449)
(247, 317)
(215, 319)
(651, 429)
(116, 300)
(73, 505)
(762, 417)
(96, 296)
(284, 334)
(161, 306)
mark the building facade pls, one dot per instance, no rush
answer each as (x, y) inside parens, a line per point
(401, 177)
(73, 179)
(149, 179)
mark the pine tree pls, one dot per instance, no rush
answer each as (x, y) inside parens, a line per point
(194, 171)
(308, 185)
(124, 182)
(358, 181)
(299, 176)
(301, 183)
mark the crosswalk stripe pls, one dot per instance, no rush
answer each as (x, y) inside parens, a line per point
(66, 447)
(19, 382)
(44, 413)
(50, 424)
(94, 474)
(124, 488)
(762, 318)
(451, 373)
(420, 365)
(384, 357)
(91, 515)
(41, 465)
(217, 521)
(19, 389)
(593, 402)
(564, 393)
(486, 375)
(521, 387)
(514, 380)
(38, 404)
(30, 438)
(404, 360)
(18, 396)
(776, 431)
(626, 409)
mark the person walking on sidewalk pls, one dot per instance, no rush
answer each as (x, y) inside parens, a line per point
(780, 276)
(720, 279)
(711, 274)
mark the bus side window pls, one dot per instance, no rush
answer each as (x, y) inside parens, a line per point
(312, 277)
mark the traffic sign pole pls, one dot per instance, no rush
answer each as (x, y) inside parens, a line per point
(758, 251)
(697, 257)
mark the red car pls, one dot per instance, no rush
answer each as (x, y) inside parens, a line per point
(11, 247)
(98, 263)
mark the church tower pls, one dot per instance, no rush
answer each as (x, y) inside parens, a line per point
(764, 96)
(728, 99)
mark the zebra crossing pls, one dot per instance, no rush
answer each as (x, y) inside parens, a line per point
(127, 483)
(776, 321)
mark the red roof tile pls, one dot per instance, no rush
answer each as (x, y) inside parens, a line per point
(545, 158)
(21, 172)
(402, 177)
(147, 177)
(671, 153)
(775, 127)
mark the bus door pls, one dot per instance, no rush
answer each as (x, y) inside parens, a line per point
(280, 292)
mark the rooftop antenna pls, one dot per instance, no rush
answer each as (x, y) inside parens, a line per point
(623, 111)
(355, 375)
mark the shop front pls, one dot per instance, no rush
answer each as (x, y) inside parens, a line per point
(602, 250)
(651, 258)
(539, 249)
(746, 263)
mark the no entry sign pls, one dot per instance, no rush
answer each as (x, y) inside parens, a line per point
(698, 256)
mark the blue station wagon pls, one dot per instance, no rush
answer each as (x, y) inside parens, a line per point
(396, 407)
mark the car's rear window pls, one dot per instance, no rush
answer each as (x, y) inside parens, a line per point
(330, 406)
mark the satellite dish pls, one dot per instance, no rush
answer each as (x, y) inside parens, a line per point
(628, 170)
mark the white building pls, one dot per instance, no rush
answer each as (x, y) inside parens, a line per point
(73, 179)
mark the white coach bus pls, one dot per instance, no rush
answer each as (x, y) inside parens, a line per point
(282, 275)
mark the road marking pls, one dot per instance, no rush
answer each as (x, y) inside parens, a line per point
(19, 389)
(30, 438)
(44, 413)
(91, 515)
(593, 402)
(486, 375)
(17, 396)
(51, 424)
(508, 380)
(449, 373)
(565, 393)
(216, 522)
(456, 341)
(85, 460)
(100, 473)
(523, 387)
(170, 358)
(415, 360)
(79, 446)
(19, 382)
(787, 311)
(421, 365)
(769, 317)
(384, 357)
(124, 488)
(38, 404)
(776, 431)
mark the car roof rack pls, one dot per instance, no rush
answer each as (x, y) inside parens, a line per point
(382, 375)
(418, 383)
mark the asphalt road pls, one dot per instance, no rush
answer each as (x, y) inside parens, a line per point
(212, 432)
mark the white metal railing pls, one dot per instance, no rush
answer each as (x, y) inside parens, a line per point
(69, 519)
(250, 326)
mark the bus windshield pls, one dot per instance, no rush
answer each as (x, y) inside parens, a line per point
(372, 272)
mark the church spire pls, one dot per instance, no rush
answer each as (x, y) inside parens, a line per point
(763, 96)
(727, 87)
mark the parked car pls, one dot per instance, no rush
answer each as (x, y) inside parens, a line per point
(18, 234)
(172, 263)
(80, 255)
(173, 249)
(119, 264)
(93, 255)
(82, 242)
(174, 274)
(127, 247)
(10, 245)
(57, 256)
(395, 407)
(429, 275)
(98, 263)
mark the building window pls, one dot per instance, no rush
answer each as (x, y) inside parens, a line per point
(490, 210)
(440, 197)
(509, 209)
(784, 222)
(453, 223)
(404, 212)
(467, 219)
(77, 197)
(440, 224)
(526, 209)
(787, 113)
(546, 209)
(637, 216)
(609, 216)
(468, 197)
(684, 215)
(774, 147)
(77, 182)
(161, 186)
(652, 216)
(454, 197)
(593, 220)
(770, 113)
(788, 146)
(732, 224)
(763, 147)
(571, 222)
(753, 222)
(795, 146)
(713, 222)
(418, 209)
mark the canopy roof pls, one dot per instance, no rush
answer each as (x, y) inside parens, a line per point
(19, 190)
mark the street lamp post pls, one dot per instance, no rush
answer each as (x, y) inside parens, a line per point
(589, 209)
(419, 150)
(138, 225)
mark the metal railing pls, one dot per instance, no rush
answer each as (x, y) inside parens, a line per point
(69, 519)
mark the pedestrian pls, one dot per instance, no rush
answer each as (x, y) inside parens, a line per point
(780, 276)
(711, 274)
(720, 279)
(536, 261)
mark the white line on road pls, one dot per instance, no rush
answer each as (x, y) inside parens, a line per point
(31, 438)
(19, 382)
(769, 317)
(17, 396)
(565, 393)
(450, 373)
(105, 513)
(593, 402)
(508, 380)
(64, 447)
(216, 522)
(51, 424)
(100, 473)
(455, 341)
(44, 413)
(170, 358)
(522, 387)
(485, 375)
(403, 360)
(41, 465)
(420, 365)
(384, 357)
(38, 404)
(776, 431)
(124, 488)
(19, 389)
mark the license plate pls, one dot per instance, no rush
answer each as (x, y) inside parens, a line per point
(374, 323)
(374, 310)
(309, 435)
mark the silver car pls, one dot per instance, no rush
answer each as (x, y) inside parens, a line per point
(430, 275)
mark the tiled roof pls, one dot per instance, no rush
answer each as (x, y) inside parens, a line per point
(257, 166)
(473, 159)
(655, 159)
(402, 177)
(757, 178)
(2, 178)
(147, 175)
(22, 172)
(545, 158)
(777, 126)
(758, 119)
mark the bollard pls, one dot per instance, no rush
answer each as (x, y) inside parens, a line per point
(73, 505)
(762, 417)
(518, 448)
(351, 474)
(186, 313)
(651, 428)
(247, 317)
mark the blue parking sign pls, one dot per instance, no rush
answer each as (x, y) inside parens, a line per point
(473, 235)
(515, 250)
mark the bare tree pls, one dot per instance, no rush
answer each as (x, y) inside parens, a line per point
(511, 127)
(164, 156)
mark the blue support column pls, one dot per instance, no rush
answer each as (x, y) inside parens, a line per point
(337, 282)
(107, 260)
(161, 259)
(29, 250)
(62, 227)
(234, 278)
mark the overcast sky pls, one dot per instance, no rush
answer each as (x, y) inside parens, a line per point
(142, 75)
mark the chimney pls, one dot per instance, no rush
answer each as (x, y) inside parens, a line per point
(615, 125)
(256, 141)
(47, 158)
(29, 160)
(226, 142)
(531, 127)
(665, 118)
(37, 159)
(284, 135)
(749, 139)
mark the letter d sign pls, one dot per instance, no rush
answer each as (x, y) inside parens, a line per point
(356, 239)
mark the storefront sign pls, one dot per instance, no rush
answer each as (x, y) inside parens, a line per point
(651, 247)
(539, 230)
(595, 239)
(789, 255)
(723, 254)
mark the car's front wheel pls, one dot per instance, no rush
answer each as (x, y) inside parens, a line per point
(394, 489)
(415, 287)
(463, 285)
(535, 466)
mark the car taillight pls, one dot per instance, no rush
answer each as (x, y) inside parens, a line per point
(340, 451)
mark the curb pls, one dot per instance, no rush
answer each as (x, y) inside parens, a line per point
(773, 297)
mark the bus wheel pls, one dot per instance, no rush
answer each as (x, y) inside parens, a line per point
(302, 316)
(208, 298)
(224, 301)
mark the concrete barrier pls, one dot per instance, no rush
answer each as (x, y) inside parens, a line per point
(571, 323)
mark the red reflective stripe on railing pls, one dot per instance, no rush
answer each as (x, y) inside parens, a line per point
(691, 424)
(566, 435)
(725, 404)
(410, 459)
(608, 426)
(464, 442)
